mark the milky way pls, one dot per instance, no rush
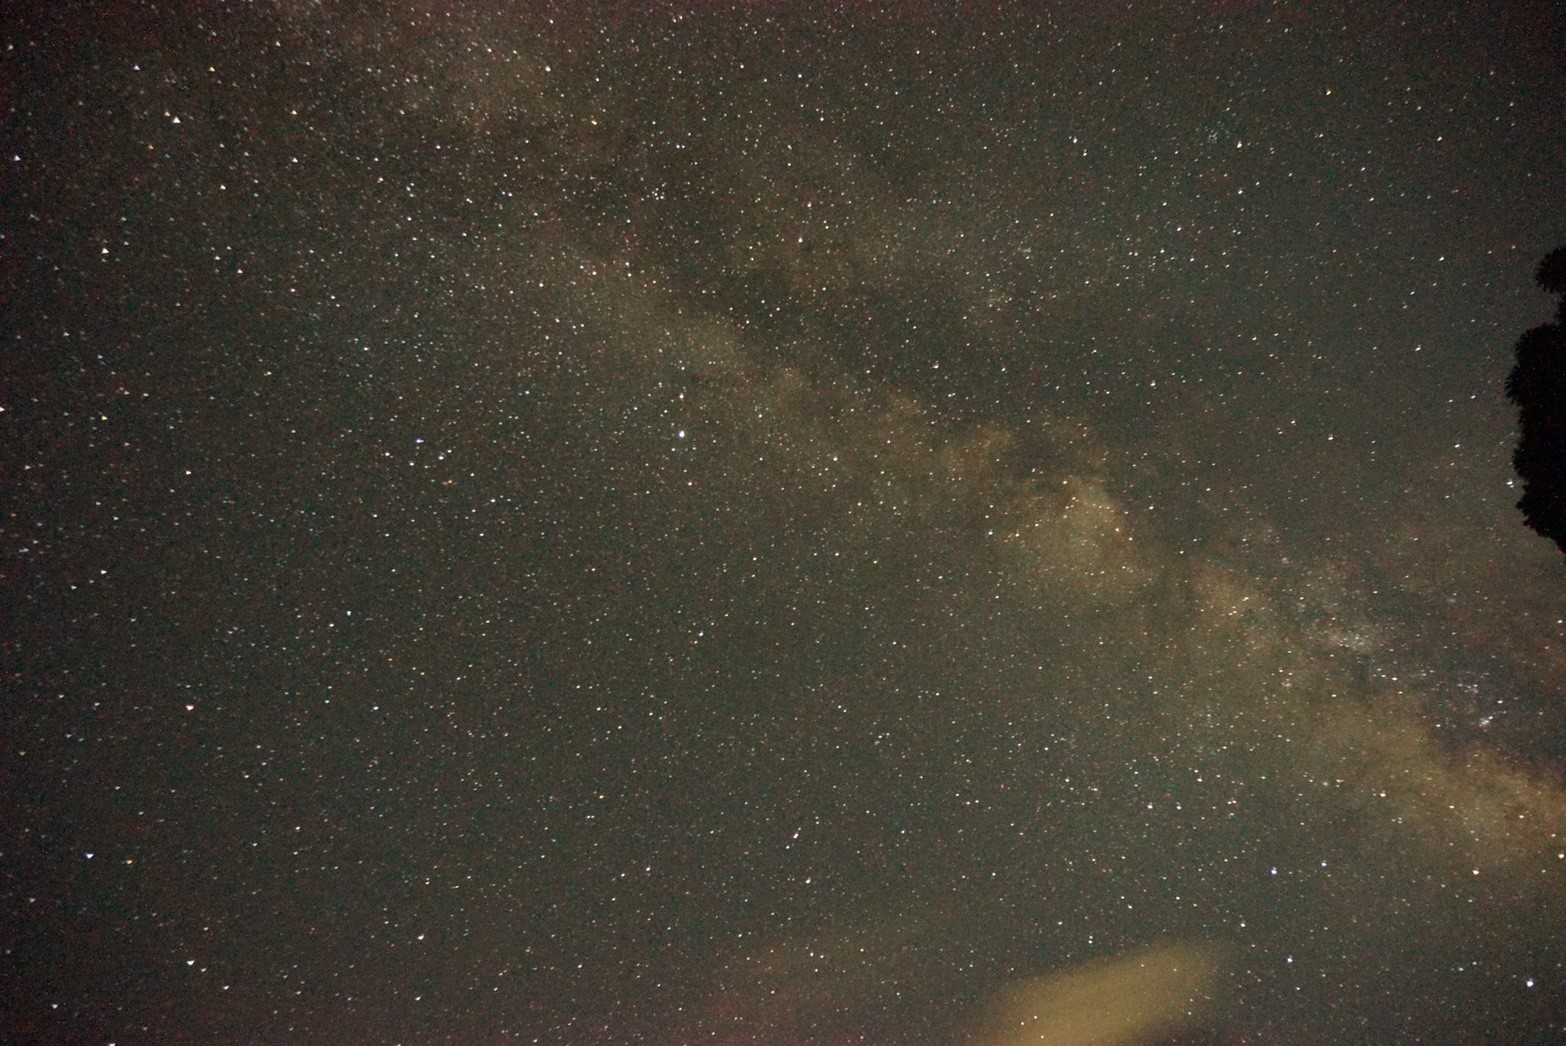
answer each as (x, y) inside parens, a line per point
(749, 525)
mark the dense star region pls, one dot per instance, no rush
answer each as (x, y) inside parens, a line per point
(809, 523)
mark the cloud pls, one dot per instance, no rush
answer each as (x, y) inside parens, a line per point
(1135, 998)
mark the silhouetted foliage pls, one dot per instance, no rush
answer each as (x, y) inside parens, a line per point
(1539, 377)
(1552, 271)
(1537, 384)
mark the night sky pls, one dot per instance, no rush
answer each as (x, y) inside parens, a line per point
(780, 523)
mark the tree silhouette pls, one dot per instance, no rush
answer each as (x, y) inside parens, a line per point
(1537, 384)
(1552, 271)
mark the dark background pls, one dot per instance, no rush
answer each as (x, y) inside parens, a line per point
(748, 522)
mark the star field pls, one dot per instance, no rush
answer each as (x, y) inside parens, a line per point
(732, 523)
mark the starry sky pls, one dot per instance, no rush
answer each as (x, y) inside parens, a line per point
(782, 523)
